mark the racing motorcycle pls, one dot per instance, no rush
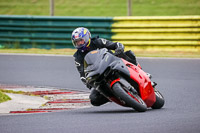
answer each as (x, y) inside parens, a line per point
(121, 81)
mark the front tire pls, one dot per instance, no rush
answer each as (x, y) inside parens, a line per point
(160, 101)
(128, 99)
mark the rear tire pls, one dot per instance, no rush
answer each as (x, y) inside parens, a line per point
(123, 96)
(160, 101)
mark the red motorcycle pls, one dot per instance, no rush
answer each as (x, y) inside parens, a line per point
(121, 81)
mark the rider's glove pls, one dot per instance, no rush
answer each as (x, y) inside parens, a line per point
(119, 49)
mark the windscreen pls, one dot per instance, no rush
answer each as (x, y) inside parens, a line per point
(91, 58)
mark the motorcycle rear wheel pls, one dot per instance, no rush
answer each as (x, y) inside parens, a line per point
(160, 101)
(120, 93)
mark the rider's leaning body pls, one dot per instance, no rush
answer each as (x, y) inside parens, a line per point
(82, 41)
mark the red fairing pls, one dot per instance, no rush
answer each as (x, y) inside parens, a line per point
(145, 88)
(139, 66)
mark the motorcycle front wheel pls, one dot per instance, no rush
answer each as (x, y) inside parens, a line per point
(131, 100)
(160, 101)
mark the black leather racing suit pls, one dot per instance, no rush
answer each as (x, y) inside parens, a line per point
(95, 97)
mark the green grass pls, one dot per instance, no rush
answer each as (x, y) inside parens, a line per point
(138, 52)
(18, 92)
(40, 51)
(101, 7)
(3, 97)
(11, 91)
(166, 7)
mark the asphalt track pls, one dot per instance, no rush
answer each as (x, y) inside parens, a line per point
(178, 80)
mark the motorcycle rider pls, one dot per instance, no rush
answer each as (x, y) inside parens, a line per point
(82, 41)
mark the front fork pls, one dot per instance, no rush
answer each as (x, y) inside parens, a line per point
(127, 88)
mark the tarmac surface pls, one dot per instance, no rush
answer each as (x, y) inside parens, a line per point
(178, 80)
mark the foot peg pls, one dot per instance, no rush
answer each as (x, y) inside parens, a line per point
(149, 75)
(153, 84)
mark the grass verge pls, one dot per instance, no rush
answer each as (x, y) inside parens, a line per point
(18, 92)
(138, 52)
(101, 8)
(167, 54)
(4, 97)
(40, 51)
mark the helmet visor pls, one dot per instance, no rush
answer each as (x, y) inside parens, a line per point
(78, 43)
